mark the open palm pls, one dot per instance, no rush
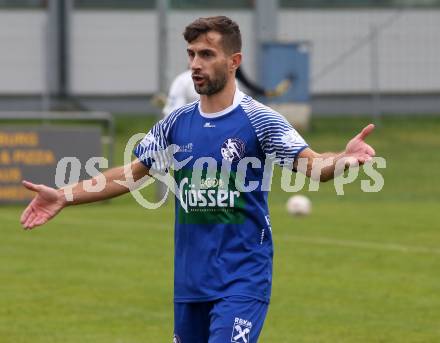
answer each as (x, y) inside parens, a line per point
(46, 204)
(358, 149)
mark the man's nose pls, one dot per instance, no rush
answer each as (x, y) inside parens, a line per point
(195, 63)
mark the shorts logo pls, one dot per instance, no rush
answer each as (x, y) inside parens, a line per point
(232, 149)
(241, 330)
(176, 339)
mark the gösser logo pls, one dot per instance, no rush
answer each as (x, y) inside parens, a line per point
(233, 149)
(69, 169)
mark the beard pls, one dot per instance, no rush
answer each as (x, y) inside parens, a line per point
(213, 85)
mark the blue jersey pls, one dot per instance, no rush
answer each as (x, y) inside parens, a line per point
(223, 237)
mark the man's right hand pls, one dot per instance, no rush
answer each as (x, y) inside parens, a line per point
(45, 205)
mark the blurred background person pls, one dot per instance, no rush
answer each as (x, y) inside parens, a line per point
(182, 90)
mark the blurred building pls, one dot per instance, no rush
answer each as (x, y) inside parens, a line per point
(103, 53)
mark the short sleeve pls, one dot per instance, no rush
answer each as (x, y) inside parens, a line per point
(277, 137)
(152, 149)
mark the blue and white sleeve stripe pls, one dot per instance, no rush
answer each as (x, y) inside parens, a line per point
(276, 135)
(153, 150)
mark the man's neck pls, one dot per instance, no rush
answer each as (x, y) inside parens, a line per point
(218, 101)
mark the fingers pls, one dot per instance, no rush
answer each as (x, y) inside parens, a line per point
(29, 210)
(351, 161)
(37, 221)
(26, 214)
(31, 219)
(31, 186)
(358, 159)
(370, 151)
(364, 159)
(366, 131)
(27, 224)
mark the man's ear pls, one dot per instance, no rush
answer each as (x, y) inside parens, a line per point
(236, 60)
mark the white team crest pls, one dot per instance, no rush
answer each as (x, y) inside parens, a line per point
(233, 149)
(241, 330)
(291, 138)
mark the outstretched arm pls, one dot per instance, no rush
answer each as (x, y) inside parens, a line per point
(280, 89)
(326, 166)
(48, 202)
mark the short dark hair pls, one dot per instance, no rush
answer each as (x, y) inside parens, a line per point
(229, 30)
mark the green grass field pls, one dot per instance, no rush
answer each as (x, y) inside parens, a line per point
(364, 267)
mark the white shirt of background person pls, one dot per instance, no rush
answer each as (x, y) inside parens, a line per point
(181, 92)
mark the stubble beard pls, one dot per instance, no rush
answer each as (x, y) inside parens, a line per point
(212, 86)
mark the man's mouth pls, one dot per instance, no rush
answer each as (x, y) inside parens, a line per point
(198, 79)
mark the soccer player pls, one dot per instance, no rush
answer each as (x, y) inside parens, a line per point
(223, 235)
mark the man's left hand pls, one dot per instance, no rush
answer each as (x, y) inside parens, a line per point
(358, 149)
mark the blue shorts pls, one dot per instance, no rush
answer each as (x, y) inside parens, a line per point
(235, 319)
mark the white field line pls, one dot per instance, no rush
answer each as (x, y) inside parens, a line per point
(362, 245)
(345, 243)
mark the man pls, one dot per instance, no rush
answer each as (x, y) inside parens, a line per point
(223, 237)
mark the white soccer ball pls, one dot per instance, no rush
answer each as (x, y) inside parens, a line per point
(299, 205)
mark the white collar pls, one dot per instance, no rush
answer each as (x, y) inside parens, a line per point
(238, 97)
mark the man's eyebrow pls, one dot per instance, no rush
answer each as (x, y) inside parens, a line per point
(202, 50)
